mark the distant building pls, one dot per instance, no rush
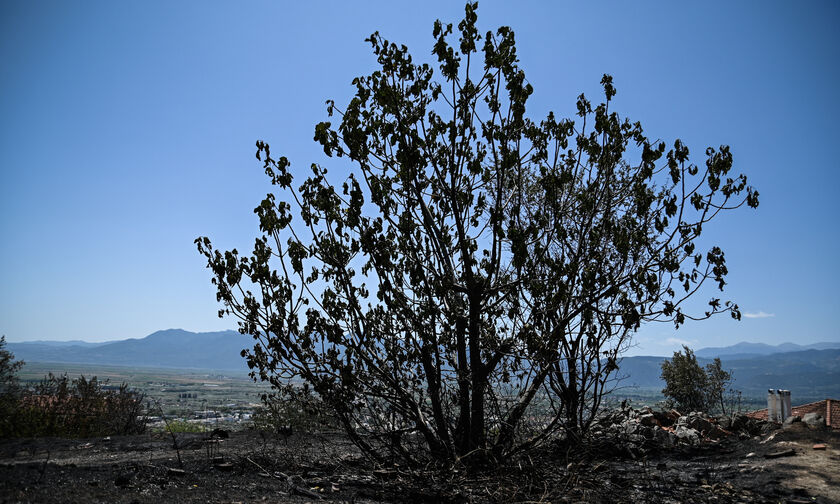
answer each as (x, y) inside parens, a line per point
(827, 408)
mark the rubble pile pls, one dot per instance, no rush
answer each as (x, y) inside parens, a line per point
(644, 430)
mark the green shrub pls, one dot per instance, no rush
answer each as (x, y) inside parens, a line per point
(181, 426)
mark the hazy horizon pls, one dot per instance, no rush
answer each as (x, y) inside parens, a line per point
(632, 352)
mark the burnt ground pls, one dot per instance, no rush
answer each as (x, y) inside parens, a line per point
(253, 467)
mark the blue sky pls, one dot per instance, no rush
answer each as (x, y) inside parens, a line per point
(127, 129)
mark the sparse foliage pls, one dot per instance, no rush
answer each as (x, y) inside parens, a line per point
(717, 385)
(466, 291)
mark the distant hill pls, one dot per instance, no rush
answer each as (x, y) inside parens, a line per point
(67, 343)
(807, 374)
(746, 350)
(172, 348)
(810, 373)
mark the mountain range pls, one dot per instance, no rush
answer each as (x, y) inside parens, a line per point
(808, 373)
(172, 348)
(745, 350)
(808, 370)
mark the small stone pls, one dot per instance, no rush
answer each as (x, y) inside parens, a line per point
(687, 434)
(750, 455)
(648, 420)
(814, 420)
(819, 446)
(792, 419)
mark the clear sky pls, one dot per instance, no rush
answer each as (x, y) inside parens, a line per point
(127, 129)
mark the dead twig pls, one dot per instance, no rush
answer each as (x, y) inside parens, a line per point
(168, 429)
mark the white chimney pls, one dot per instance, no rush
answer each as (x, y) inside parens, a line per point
(784, 397)
(773, 406)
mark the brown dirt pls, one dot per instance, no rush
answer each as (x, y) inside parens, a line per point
(137, 469)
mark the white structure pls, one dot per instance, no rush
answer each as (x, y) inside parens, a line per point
(778, 405)
(774, 410)
(784, 398)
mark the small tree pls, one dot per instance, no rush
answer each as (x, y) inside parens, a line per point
(9, 368)
(690, 387)
(717, 385)
(9, 388)
(685, 382)
(468, 288)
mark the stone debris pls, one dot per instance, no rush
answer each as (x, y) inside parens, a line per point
(792, 419)
(646, 429)
(814, 420)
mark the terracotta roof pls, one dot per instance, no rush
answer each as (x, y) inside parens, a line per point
(828, 408)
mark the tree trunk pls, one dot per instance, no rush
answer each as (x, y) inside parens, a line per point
(462, 429)
(479, 379)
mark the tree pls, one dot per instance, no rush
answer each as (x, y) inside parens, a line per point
(685, 382)
(690, 387)
(468, 288)
(717, 383)
(9, 388)
(8, 369)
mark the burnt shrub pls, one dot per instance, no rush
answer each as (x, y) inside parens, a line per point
(61, 407)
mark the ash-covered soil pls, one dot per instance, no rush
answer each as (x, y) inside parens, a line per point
(254, 467)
